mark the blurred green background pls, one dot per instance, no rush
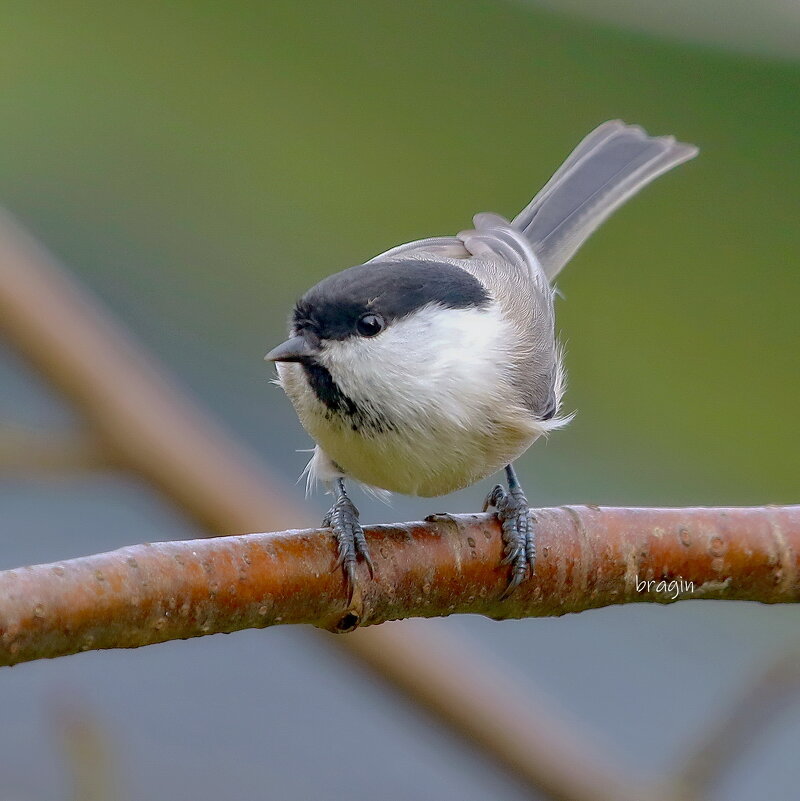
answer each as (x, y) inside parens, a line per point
(200, 164)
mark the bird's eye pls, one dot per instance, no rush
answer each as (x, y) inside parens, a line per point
(369, 325)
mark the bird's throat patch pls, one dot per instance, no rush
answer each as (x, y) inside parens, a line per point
(337, 403)
(327, 390)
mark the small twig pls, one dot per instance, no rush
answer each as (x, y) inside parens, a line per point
(89, 761)
(731, 734)
(589, 557)
(25, 452)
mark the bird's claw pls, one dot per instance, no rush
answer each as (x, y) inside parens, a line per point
(494, 497)
(519, 543)
(343, 519)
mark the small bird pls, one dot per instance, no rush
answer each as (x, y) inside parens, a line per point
(436, 364)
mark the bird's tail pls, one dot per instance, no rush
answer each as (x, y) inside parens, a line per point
(610, 165)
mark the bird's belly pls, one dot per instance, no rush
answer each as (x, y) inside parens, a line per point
(427, 461)
(443, 442)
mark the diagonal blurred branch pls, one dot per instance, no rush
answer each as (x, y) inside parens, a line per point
(151, 428)
(140, 415)
(591, 557)
(514, 720)
(736, 728)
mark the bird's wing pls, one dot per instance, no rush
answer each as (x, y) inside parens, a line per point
(608, 167)
(501, 258)
(447, 246)
(517, 260)
(492, 238)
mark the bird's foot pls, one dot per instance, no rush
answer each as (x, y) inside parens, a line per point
(343, 519)
(519, 543)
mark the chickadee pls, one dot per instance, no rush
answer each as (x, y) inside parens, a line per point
(435, 364)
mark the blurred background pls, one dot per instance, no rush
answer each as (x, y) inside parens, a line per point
(198, 165)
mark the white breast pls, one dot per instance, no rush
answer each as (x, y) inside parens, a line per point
(439, 380)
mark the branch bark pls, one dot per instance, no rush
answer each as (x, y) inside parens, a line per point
(589, 557)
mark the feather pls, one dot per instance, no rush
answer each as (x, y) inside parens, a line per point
(609, 166)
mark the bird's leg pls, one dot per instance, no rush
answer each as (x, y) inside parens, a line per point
(343, 519)
(519, 544)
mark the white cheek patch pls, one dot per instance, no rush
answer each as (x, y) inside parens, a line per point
(434, 358)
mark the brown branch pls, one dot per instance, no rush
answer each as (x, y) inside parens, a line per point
(141, 417)
(590, 557)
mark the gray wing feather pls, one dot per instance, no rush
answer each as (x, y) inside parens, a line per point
(609, 166)
(517, 260)
(446, 246)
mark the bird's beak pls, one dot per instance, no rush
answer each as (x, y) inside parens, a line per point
(293, 350)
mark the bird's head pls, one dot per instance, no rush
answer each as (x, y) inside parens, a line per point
(377, 338)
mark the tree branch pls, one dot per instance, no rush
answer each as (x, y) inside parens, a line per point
(26, 452)
(589, 557)
(560, 756)
(736, 729)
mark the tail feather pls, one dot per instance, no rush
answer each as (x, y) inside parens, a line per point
(609, 166)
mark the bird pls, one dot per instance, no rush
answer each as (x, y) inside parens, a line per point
(436, 363)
